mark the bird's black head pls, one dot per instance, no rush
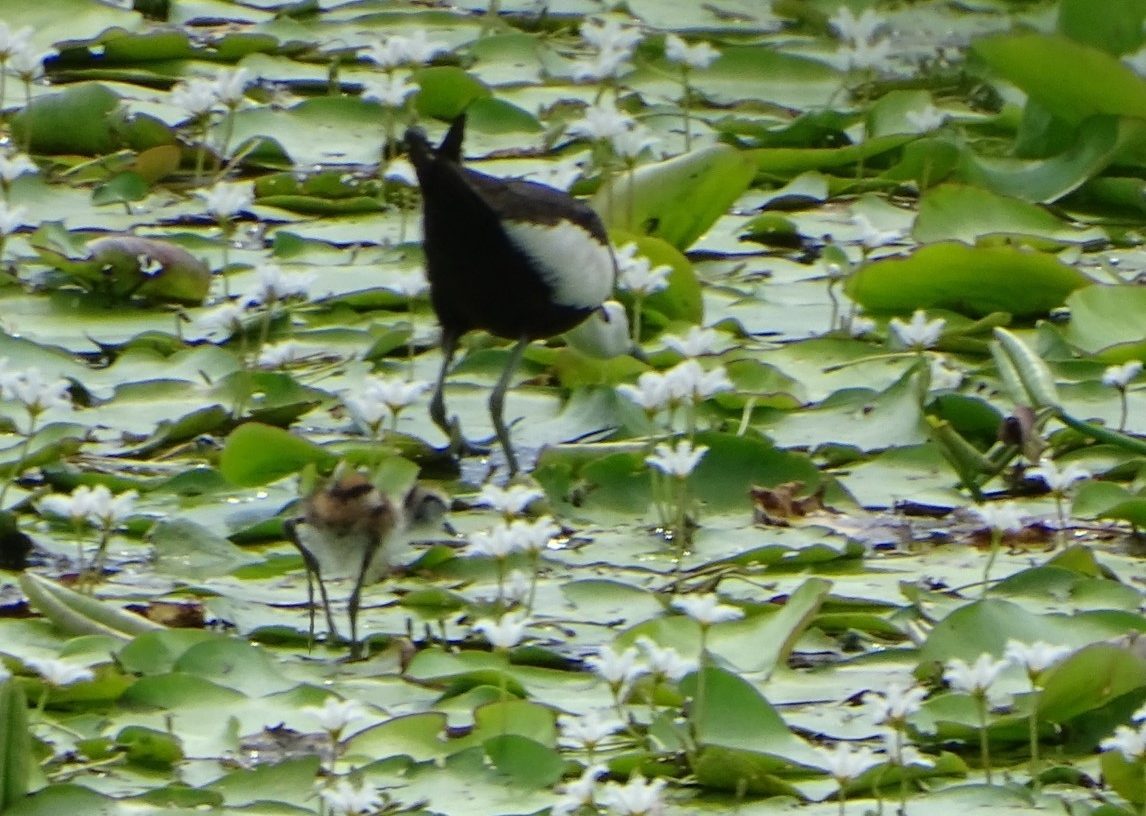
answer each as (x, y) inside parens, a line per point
(450, 149)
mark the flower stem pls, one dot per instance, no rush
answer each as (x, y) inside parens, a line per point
(1034, 734)
(902, 772)
(996, 540)
(698, 701)
(984, 741)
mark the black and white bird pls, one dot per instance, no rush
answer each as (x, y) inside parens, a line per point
(350, 529)
(521, 260)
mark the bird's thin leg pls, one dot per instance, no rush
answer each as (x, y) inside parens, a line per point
(497, 402)
(313, 576)
(355, 599)
(438, 402)
(450, 426)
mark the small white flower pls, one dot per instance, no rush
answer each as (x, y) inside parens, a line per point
(107, 510)
(895, 704)
(345, 799)
(230, 85)
(500, 541)
(874, 55)
(12, 218)
(588, 730)
(14, 165)
(511, 501)
(707, 609)
(1059, 481)
(697, 342)
(335, 714)
(1139, 715)
(602, 122)
(407, 284)
(846, 763)
(394, 392)
(926, 119)
(603, 65)
(28, 63)
(651, 391)
(1129, 741)
(226, 317)
(277, 355)
(369, 414)
(579, 793)
(388, 89)
(635, 798)
(196, 96)
(534, 536)
(978, 678)
(388, 53)
(920, 333)
(30, 388)
(1003, 517)
(678, 461)
(711, 382)
(1119, 376)
(618, 669)
(637, 275)
(850, 28)
(59, 672)
(1035, 658)
(415, 49)
(76, 506)
(418, 48)
(700, 55)
(665, 662)
(275, 284)
(225, 200)
(504, 633)
(610, 35)
(14, 40)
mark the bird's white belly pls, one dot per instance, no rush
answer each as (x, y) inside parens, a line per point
(576, 266)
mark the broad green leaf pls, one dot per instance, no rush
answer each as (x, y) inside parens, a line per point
(972, 280)
(1107, 321)
(676, 200)
(961, 212)
(78, 119)
(1117, 30)
(525, 761)
(256, 454)
(1071, 80)
(446, 91)
(1089, 679)
(1098, 142)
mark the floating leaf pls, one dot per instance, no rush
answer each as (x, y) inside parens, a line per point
(676, 200)
(974, 280)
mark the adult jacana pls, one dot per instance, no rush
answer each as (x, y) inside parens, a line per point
(521, 260)
(350, 529)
